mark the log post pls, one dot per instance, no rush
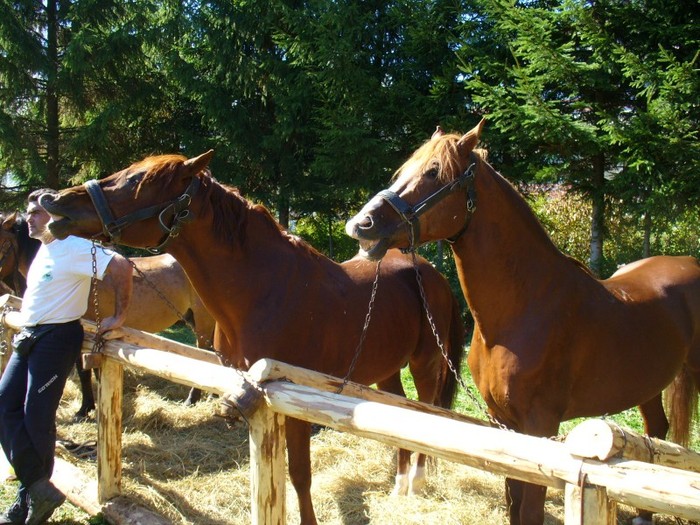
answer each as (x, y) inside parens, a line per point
(267, 468)
(602, 439)
(109, 430)
(588, 505)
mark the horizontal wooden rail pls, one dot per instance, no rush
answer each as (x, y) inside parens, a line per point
(284, 390)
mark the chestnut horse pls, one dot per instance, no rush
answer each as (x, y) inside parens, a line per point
(551, 341)
(147, 310)
(271, 293)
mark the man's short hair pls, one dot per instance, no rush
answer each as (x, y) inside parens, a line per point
(34, 196)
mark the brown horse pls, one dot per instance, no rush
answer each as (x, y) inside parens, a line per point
(147, 310)
(551, 341)
(271, 293)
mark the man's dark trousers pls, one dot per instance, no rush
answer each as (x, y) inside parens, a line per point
(30, 391)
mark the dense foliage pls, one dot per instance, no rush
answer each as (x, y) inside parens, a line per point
(310, 106)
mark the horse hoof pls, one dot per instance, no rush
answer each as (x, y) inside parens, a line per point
(400, 486)
(417, 480)
(81, 417)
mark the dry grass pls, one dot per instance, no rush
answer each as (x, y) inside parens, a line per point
(187, 465)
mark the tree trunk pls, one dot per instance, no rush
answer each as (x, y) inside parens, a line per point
(598, 214)
(283, 211)
(646, 247)
(52, 120)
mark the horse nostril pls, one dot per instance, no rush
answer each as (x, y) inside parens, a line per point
(366, 223)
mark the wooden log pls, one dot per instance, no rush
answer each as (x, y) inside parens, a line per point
(271, 370)
(109, 430)
(132, 336)
(81, 490)
(121, 511)
(602, 439)
(588, 506)
(536, 460)
(10, 301)
(267, 468)
(139, 338)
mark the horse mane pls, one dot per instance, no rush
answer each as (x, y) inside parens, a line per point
(230, 210)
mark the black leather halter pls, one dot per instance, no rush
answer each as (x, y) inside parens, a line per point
(177, 209)
(411, 214)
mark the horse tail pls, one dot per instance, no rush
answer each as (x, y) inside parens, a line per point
(681, 406)
(455, 353)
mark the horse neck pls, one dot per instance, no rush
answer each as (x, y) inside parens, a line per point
(505, 258)
(232, 276)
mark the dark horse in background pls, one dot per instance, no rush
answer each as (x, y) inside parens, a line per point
(147, 310)
(551, 341)
(272, 294)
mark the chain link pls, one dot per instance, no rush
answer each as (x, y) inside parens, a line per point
(99, 341)
(470, 393)
(363, 335)
(208, 342)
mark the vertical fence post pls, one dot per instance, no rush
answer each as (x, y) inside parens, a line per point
(267, 467)
(588, 505)
(109, 430)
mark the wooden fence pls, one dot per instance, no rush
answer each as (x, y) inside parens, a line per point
(599, 465)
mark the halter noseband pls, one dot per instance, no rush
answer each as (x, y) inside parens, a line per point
(410, 214)
(112, 228)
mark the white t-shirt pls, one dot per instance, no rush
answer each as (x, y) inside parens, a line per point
(58, 281)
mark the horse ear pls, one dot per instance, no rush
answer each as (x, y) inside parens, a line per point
(437, 133)
(469, 141)
(9, 221)
(197, 164)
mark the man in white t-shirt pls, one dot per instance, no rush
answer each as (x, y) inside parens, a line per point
(58, 289)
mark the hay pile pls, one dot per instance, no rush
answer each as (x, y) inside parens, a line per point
(188, 466)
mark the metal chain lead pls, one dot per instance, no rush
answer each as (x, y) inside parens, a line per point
(441, 346)
(363, 335)
(473, 397)
(223, 359)
(170, 304)
(99, 341)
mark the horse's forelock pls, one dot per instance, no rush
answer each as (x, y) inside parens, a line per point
(441, 153)
(164, 166)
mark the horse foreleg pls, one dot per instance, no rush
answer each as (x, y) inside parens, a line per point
(526, 500)
(88, 401)
(299, 456)
(403, 481)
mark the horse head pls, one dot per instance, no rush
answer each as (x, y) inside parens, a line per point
(405, 215)
(154, 193)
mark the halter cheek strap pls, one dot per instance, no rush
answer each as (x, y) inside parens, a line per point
(411, 214)
(177, 208)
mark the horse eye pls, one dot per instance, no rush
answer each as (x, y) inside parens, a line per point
(432, 173)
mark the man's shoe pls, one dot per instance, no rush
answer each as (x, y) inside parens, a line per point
(16, 514)
(44, 498)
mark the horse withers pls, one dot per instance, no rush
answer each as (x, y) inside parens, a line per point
(551, 342)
